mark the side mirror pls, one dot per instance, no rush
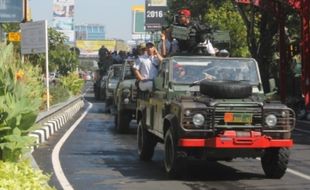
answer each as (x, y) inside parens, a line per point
(273, 90)
(170, 85)
(272, 85)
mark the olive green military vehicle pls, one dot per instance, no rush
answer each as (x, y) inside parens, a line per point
(111, 81)
(125, 98)
(213, 108)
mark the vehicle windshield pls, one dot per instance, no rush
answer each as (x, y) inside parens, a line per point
(197, 69)
(129, 73)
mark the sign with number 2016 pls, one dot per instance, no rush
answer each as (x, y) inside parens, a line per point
(154, 14)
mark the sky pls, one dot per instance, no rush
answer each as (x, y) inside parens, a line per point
(115, 15)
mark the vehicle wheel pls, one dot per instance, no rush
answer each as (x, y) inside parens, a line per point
(171, 161)
(274, 162)
(146, 143)
(122, 122)
(225, 89)
(97, 93)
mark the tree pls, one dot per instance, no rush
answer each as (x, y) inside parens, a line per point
(223, 16)
(61, 58)
(262, 34)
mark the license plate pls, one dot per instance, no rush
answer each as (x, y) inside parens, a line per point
(238, 117)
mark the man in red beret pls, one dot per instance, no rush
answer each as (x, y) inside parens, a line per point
(184, 17)
(195, 36)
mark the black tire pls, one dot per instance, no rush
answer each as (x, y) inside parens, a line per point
(97, 93)
(146, 143)
(122, 119)
(172, 162)
(274, 162)
(225, 89)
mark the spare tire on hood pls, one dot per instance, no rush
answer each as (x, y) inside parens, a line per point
(225, 89)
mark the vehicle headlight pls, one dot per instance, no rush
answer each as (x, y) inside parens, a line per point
(198, 119)
(126, 101)
(271, 120)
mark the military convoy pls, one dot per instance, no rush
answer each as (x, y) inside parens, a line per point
(215, 110)
(206, 108)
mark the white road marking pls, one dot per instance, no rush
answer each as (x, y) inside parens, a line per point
(299, 174)
(55, 154)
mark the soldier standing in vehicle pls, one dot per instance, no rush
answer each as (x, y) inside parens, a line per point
(167, 44)
(146, 67)
(196, 34)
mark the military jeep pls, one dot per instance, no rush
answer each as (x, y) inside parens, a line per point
(114, 75)
(125, 98)
(215, 110)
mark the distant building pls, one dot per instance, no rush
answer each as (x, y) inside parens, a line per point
(90, 32)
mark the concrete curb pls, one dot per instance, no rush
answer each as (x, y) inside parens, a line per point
(55, 122)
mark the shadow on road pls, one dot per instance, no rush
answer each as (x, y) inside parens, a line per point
(126, 162)
(300, 138)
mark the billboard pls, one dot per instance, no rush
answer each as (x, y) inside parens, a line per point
(89, 48)
(155, 11)
(138, 19)
(11, 11)
(63, 17)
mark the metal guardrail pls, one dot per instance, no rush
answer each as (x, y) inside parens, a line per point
(56, 109)
(52, 120)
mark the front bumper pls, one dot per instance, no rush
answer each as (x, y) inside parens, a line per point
(230, 139)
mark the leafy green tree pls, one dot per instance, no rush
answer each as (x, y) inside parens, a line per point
(10, 27)
(61, 58)
(223, 16)
(263, 34)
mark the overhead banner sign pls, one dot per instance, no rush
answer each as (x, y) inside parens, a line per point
(11, 11)
(90, 48)
(155, 11)
(63, 17)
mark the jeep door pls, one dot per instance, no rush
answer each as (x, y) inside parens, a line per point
(159, 98)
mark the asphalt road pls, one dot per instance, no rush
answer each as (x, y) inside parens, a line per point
(95, 157)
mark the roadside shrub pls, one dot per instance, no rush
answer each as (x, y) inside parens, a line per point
(58, 93)
(73, 83)
(14, 176)
(21, 91)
